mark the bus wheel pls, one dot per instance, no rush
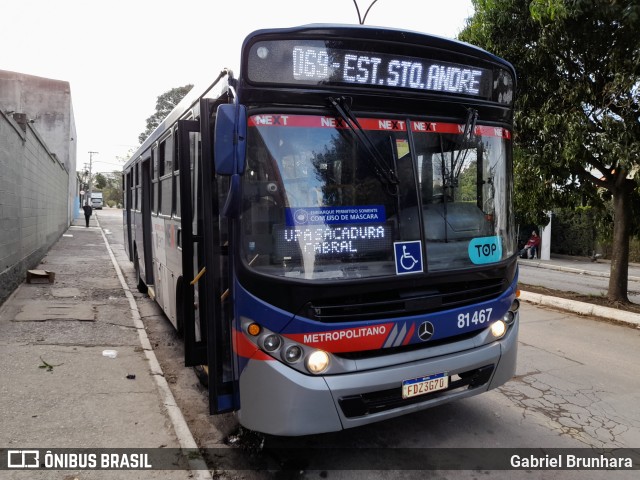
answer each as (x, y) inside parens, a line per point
(142, 287)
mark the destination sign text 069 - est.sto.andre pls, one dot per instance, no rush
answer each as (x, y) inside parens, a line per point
(374, 69)
(311, 62)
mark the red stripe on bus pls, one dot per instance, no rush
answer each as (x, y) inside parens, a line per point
(372, 124)
(317, 121)
(346, 340)
(243, 347)
(407, 339)
(456, 128)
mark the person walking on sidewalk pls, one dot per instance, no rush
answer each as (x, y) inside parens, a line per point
(87, 212)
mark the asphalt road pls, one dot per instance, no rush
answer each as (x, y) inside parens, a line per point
(576, 386)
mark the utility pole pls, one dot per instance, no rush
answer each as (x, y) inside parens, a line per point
(90, 183)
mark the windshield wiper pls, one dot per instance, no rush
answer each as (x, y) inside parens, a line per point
(386, 175)
(450, 176)
(467, 135)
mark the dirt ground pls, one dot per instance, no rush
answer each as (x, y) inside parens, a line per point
(594, 299)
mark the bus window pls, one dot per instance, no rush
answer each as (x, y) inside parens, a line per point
(167, 195)
(176, 181)
(137, 186)
(314, 205)
(165, 159)
(458, 180)
(167, 152)
(155, 207)
(176, 194)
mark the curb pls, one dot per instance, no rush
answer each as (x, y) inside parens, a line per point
(582, 308)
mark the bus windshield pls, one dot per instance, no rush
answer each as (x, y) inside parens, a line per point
(316, 207)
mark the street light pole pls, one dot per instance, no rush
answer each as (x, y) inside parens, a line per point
(88, 198)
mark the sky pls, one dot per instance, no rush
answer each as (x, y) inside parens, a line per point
(120, 55)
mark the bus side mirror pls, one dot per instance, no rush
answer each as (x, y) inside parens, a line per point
(230, 139)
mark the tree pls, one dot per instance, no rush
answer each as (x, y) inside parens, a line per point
(577, 103)
(112, 190)
(165, 103)
(99, 181)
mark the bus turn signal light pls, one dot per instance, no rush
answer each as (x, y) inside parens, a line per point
(254, 329)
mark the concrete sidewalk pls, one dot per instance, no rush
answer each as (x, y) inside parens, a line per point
(59, 388)
(582, 266)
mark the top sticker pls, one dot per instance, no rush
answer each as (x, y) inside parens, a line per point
(485, 250)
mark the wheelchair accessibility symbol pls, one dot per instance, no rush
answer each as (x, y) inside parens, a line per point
(408, 257)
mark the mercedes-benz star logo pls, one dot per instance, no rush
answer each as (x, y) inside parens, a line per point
(425, 331)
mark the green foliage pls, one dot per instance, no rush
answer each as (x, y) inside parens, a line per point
(99, 181)
(578, 98)
(468, 183)
(574, 231)
(582, 231)
(606, 249)
(532, 191)
(577, 104)
(165, 103)
(112, 190)
(542, 10)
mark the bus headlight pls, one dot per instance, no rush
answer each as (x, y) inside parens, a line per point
(271, 342)
(318, 362)
(292, 354)
(498, 329)
(509, 317)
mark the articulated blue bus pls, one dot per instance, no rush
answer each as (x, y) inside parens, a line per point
(332, 229)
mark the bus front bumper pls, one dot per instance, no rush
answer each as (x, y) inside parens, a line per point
(278, 400)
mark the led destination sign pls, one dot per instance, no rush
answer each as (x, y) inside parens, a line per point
(313, 63)
(371, 69)
(333, 232)
(329, 241)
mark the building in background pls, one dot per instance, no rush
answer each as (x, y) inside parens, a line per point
(38, 185)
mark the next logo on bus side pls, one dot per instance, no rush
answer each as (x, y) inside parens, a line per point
(270, 119)
(323, 122)
(423, 126)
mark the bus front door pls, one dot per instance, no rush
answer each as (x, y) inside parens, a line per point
(205, 323)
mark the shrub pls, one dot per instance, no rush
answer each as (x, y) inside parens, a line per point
(573, 232)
